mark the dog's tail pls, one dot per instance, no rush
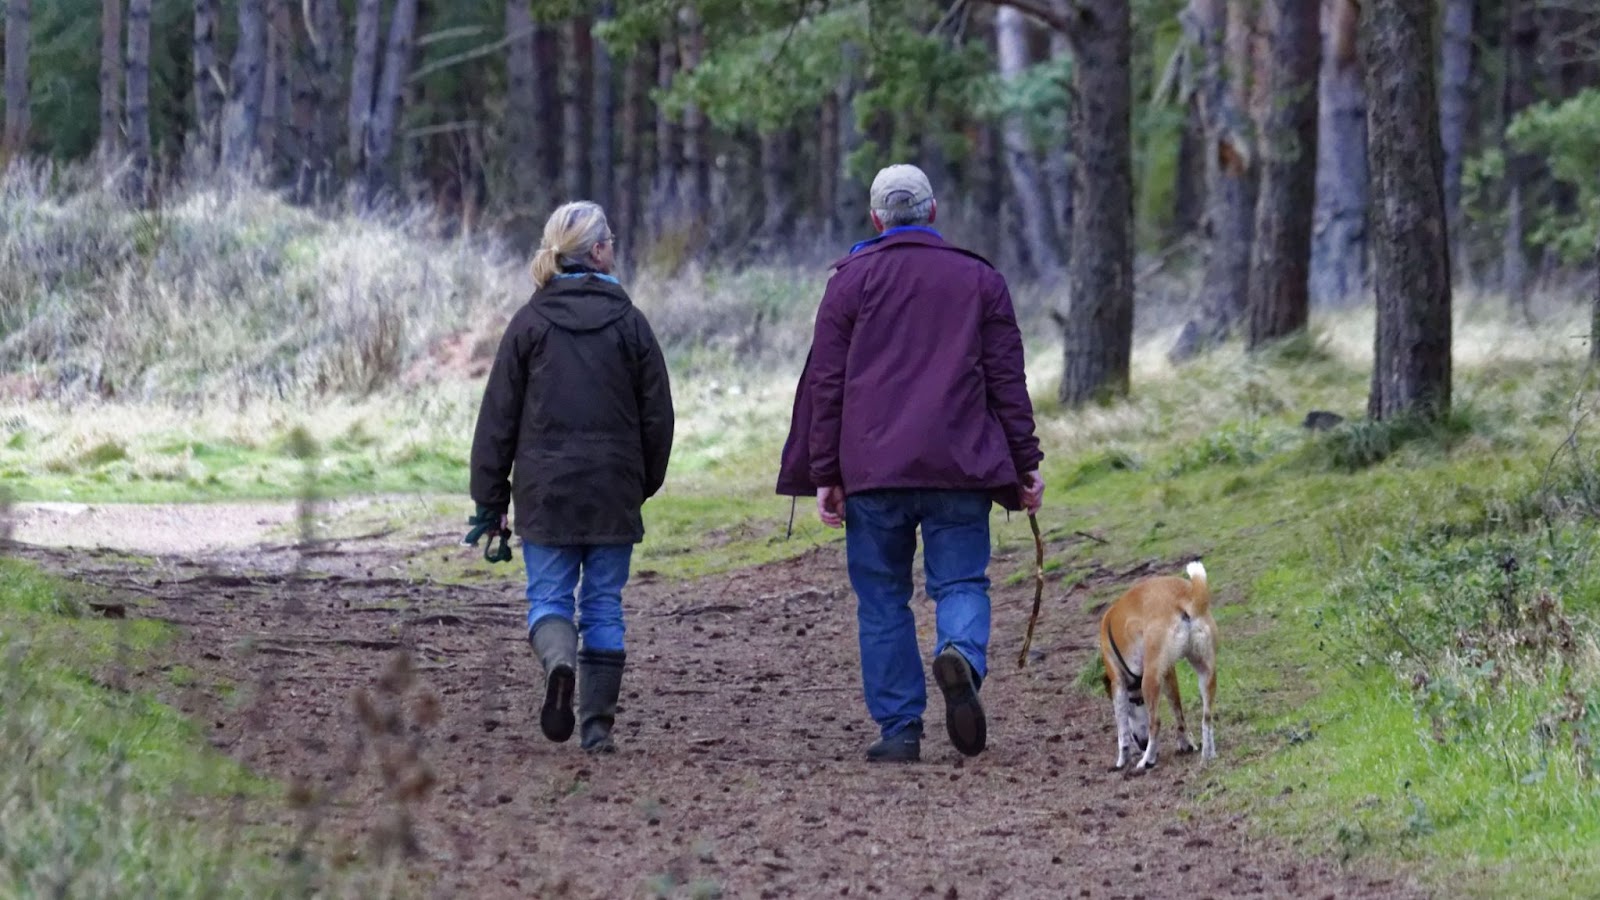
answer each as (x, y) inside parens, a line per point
(1199, 589)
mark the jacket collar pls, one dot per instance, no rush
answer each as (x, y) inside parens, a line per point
(912, 235)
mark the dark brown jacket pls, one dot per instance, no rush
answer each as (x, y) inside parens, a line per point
(579, 404)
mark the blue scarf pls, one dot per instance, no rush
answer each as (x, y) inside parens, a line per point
(600, 275)
(898, 229)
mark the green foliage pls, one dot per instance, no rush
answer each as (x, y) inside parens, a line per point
(765, 79)
(1567, 134)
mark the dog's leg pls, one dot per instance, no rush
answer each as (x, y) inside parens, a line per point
(1208, 691)
(1152, 700)
(1171, 682)
(1119, 708)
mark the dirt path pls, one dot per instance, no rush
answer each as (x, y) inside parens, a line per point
(740, 773)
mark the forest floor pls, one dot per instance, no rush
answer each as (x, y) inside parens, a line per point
(740, 769)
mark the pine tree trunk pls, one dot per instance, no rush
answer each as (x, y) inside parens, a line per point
(1280, 260)
(827, 167)
(777, 173)
(138, 101)
(1455, 113)
(547, 53)
(630, 174)
(850, 199)
(1522, 48)
(525, 201)
(1098, 331)
(1039, 239)
(363, 81)
(1058, 170)
(696, 150)
(17, 56)
(1339, 245)
(110, 145)
(325, 33)
(388, 104)
(577, 76)
(602, 133)
(1222, 32)
(669, 150)
(246, 87)
(276, 102)
(1411, 254)
(1189, 200)
(207, 137)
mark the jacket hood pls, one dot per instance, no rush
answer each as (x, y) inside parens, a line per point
(584, 303)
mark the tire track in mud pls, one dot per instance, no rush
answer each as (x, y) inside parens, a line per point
(741, 732)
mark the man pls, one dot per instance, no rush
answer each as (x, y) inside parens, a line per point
(913, 411)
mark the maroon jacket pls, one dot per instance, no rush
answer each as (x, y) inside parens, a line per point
(915, 377)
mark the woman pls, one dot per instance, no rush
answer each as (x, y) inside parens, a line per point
(579, 403)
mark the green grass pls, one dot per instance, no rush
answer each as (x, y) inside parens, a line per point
(101, 787)
(106, 792)
(1327, 746)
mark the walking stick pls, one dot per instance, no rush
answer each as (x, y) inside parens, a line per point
(1038, 588)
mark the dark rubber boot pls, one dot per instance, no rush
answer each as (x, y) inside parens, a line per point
(963, 714)
(555, 642)
(599, 685)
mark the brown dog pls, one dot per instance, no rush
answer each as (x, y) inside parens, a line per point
(1142, 636)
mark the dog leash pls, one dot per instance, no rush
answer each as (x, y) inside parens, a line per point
(1038, 588)
(1129, 677)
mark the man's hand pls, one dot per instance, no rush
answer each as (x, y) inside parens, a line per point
(1032, 489)
(830, 506)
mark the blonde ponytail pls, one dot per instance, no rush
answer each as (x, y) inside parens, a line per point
(546, 266)
(570, 236)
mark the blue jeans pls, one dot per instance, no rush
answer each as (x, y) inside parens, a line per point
(880, 544)
(553, 578)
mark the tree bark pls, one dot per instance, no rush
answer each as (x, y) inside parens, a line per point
(1280, 260)
(246, 87)
(521, 126)
(1455, 112)
(138, 101)
(324, 32)
(1098, 331)
(1223, 29)
(1039, 238)
(1411, 253)
(669, 149)
(18, 26)
(391, 94)
(696, 138)
(547, 53)
(630, 174)
(1058, 170)
(1522, 49)
(363, 81)
(1339, 243)
(602, 132)
(275, 98)
(1189, 194)
(207, 85)
(777, 174)
(110, 144)
(577, 78)
(827, 182)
